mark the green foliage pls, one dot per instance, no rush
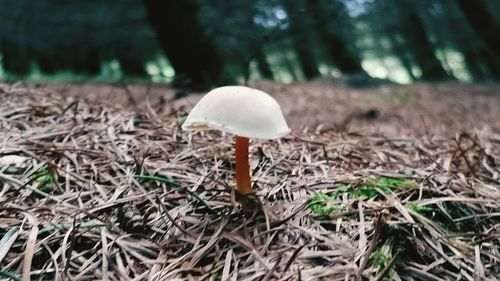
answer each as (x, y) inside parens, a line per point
(379, 186)
(322, 203)
(443, 214)
(159, 69)
(44, 179)
(423, 210)
(380, 257)
(368, 191)
(384, 256)
(392, 183)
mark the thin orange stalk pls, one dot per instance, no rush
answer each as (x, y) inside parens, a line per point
(243, 184)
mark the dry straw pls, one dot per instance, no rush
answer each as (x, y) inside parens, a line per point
(97, 193)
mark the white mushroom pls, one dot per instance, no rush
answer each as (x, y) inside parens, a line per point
(243, 112)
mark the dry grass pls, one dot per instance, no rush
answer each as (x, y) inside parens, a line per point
(90, 192)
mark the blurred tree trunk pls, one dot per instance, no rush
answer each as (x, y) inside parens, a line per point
(481, 63)
(47, 63)
(191, 53)
(473, 64)
(484, 22)
(300, 30)
(402, 53)
(346, 60)
(492, 63)
(89, 62)
(86, 62)
(257, 42)
(257, 55)
(132, 67)
(306, 60)
(15, 59)
(262, 63)
(413, 31)
(384, 14)
(290, 67)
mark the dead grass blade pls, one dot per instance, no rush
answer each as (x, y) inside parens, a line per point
(30, 247)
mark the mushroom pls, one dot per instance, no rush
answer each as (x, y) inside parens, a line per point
(241, 111)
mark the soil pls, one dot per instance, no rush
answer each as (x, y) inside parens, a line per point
(390, 110)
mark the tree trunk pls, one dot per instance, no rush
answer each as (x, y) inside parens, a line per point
(257, 42)
(412, 30)
(306, 60)
(132, 67)
(481, 63)
(90, 63)
(15, 59)
(401, 52)
(491, 61)
(346, 61)
(473, 65)
(47, 63)
(262, 64)
(289, 65)
(483, 21)
(300, 35)
(478, 58)
(191, 53)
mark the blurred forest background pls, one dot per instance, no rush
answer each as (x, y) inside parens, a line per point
(201, 44)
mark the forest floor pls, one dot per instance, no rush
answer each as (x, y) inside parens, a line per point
(98, 182)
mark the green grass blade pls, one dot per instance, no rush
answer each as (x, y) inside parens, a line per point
(9, 276)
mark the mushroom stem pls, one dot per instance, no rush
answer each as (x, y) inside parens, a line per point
(243, 185)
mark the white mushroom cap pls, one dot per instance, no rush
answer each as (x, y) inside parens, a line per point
(238, 110)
